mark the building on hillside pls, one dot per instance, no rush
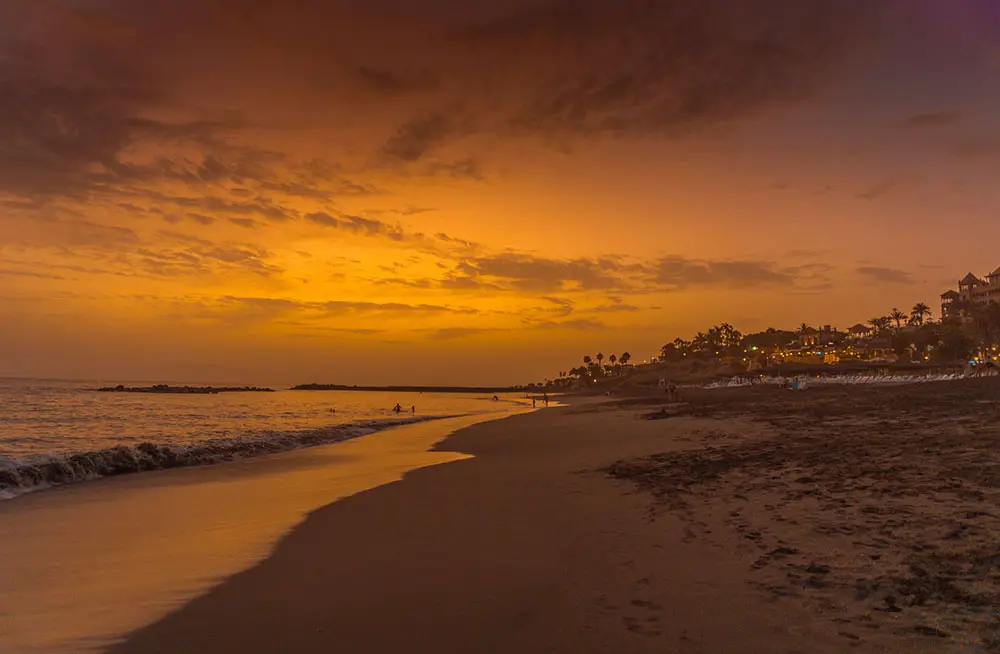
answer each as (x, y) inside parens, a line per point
(859, 331)
(971, 290)
(825, 335)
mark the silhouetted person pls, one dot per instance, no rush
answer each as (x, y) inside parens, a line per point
(545, 397)
(413, 409)
(532, 403)
(397, 408)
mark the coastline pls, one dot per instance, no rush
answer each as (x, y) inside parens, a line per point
(531, 545)
(84, 563)
(499, 552)
(44, 472)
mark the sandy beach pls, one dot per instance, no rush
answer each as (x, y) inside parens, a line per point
(751, 520)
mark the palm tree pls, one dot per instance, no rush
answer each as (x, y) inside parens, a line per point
(612, 359)
(600, 357)
(625, 358)
(898, 316)
(919, 312)
(803, 328)
(879, 325)
(587, 360)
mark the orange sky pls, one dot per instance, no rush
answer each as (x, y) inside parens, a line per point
(479, 193)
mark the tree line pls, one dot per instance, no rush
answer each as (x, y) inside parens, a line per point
(969, 329)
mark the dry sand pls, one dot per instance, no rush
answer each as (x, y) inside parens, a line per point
(751, 521)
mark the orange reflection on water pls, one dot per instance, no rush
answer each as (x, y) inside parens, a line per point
(83, 565)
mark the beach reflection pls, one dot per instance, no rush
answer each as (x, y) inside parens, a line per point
(83, 565)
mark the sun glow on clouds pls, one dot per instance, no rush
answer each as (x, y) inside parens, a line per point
(230, 191)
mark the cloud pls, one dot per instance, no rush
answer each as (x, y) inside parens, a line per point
(528, 272)
(878, 190)
(357, 225)
(202, 219)
(942, 118)
(450, 333)
(417, 136)
(683, 65)
(8, 272)
(884, 275)
(577, 324)
(392, 83)
(463, 169)
(679, 273)
(412, 210)
(266, 308)
(617, 307)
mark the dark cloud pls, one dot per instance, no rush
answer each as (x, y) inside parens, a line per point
(884, 275)
(85, 109)
(682, 65)
(258, 206)
(416, 137)
(393, 83)
(942, 118)
(201, 219)
(246, 223)
(357, 225)
(467, 169)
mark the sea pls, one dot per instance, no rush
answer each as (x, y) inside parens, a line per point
(60, 432)
(121, 507)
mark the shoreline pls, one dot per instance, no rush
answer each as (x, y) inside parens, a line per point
(492, 553)
(82, 564)
(39, 472)
(540, 541)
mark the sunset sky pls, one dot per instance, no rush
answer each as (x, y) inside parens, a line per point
(383, 191)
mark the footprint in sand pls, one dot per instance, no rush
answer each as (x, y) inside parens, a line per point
(644, 626)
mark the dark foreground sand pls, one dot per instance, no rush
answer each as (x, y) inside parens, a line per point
(755, 521)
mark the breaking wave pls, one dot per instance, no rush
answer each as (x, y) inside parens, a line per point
(43, 471)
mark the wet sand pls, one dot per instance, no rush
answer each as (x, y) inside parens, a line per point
(83, 564)
(751, 521)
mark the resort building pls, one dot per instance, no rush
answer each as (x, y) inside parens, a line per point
(971, 290)
(825, 335)
(859, 331)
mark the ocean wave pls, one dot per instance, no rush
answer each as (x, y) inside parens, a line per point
(36, 472)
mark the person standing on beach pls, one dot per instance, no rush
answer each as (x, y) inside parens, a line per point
(545, 398)
(413, 409)
(532, 403)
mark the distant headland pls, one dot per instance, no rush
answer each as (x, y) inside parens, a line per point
(184, 390)
(411, 389)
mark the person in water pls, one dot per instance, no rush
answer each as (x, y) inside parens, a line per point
(532, 403)
(397, 408)
(413, 409)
